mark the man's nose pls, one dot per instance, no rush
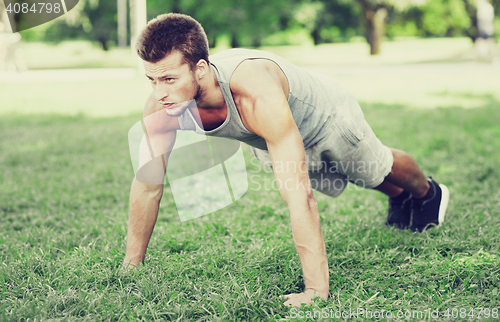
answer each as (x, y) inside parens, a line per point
(161, 92)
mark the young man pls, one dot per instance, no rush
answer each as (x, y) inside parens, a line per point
(288, 117)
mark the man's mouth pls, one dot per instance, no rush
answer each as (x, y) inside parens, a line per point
(182, 105)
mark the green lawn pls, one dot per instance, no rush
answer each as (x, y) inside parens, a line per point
(82, 54)
(64, 184)
(74, 54)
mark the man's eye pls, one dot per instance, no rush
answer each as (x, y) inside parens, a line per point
(170, 80)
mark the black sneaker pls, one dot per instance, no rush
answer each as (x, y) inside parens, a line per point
(429, 211)
(399, 211)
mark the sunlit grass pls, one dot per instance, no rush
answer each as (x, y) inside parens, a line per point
(64, 185)
(425, 87)
(394, 77)
(82, 54)
(74, 54)
(402, 51)
(69, 97)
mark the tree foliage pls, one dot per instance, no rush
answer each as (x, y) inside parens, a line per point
(328, 20)
(94, 20)
(248, 22)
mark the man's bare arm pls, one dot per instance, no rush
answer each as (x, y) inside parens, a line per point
(146, 190)
(261, 100)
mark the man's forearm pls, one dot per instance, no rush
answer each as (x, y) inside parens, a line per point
(296, 191)
(310, 246)
(143, 211)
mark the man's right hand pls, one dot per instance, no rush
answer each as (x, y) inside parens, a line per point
(143, 211)
(306, 297)
(147, 187)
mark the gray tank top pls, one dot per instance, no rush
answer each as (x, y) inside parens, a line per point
(313, 99)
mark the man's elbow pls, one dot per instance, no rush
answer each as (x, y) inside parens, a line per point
(152, 190)
(302, 202)
(311, 202)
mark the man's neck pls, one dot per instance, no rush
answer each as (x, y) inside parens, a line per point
(212, 97)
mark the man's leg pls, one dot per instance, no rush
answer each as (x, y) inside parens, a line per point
(410, 192)
(405, 175)
(356, 152)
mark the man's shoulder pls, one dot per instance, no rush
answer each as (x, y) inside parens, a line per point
(237, 52)
(237, 55)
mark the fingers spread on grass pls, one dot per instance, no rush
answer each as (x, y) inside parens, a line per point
(297, 299)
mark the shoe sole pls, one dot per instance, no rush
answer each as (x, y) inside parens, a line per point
(445, 198)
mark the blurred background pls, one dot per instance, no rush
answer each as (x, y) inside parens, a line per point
(110, 25)
(425, 72)
(375, 47)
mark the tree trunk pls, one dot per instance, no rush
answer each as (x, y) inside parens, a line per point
(176, 8)
(234, 41)
(122, 22)
(256, 41)
(104, 43)
(471, 12)
(315, 36)
(211, 42)
(375, 14)
(375, 28)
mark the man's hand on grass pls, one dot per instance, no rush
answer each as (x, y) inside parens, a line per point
(128, 263)
(306, 297)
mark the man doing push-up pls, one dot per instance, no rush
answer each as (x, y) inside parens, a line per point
(287, 116)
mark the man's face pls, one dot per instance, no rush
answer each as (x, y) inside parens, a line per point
(173, 82)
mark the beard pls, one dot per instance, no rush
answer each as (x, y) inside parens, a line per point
(199, 94)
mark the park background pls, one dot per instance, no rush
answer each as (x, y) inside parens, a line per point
(71, 95)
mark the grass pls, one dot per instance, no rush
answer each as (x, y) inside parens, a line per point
(83, 54)
(417, 73)
(406, 51)
(64, 189)
(64, 184)
(75, 54)
(98, 98)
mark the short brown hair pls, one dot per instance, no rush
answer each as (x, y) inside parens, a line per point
(173, 31)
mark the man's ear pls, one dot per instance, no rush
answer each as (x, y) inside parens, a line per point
(201, 68)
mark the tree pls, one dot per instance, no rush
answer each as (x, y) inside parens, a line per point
(246, 21)
(445, 18)
(330, 19)
(470, 7)
(90, 19)
(102, 16)
(375, 14)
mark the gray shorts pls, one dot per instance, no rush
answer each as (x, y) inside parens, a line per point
(348, 151)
